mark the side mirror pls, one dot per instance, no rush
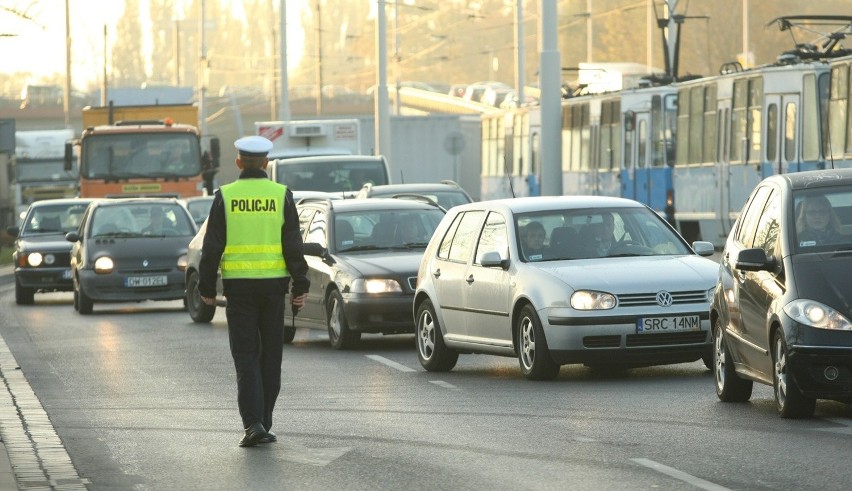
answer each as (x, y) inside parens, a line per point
(703, 248)
(753, 260)
(13, 231)
(72, 237)
(68, 163)
(493, 259)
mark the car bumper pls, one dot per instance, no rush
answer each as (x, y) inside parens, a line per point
(46, 279)
(614, 341)
(809, 364)
(111, 287)
(379, 314)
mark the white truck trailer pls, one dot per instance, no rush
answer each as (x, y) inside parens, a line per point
(38, 170)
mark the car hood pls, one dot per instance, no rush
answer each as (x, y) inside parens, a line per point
(825, 278)
(636, 274)
(44, 242)
(385, 262)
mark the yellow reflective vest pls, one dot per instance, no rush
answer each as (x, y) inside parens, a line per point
(254, 216)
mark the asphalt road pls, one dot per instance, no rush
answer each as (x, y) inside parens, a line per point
(142, 398)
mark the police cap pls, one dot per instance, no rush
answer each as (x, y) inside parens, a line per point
(253, 146)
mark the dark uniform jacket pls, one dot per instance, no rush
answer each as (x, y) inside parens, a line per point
(214, 246)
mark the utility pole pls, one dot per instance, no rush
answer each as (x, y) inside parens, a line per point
(519, 52)
(381, 95)
(284, 100)
(550, 81)
(202, 75)
(319, 59)
(66, 104)
(104, 82)
(177, 52)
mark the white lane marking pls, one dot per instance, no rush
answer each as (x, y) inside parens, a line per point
(845, 429)
(446, 385)
(390, 363)
(319, 457)
(679, 475)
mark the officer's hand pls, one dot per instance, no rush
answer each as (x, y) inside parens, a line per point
(208, 300)
(299, 301)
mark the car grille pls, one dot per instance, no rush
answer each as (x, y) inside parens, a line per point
(412, 282)
(647, 299)
(697, 337)
(642, 340)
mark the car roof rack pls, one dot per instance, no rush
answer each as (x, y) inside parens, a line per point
(418, 197)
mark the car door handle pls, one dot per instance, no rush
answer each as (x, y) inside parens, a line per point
(436, 273)
(469, 279)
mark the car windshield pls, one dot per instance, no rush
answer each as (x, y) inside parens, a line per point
(53, 219)
(199, 208)
(141, 220)
(822, 219)
(593, 233)
(385, 229)
(330, 177)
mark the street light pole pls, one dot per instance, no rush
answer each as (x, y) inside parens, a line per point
(66, 105)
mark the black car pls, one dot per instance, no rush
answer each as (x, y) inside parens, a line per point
(363, 257)
(41, 256)
(130, 249)
(782, 309)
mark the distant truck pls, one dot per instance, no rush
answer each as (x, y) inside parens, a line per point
(38, 170)
(148, 150)
(310, 138)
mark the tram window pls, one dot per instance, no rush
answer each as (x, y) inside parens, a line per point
(755, 99)
(739, 120)
(642, 139)
(682, 147)
(709, 144)
(790, 132)
(837, 110)
(810, 119)
(771, 133)
(696, 119)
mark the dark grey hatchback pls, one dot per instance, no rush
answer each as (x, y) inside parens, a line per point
(130, 249)
(782, 310)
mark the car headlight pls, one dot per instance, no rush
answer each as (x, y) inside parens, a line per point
(375, 286)
(591, 300)
(103, 265)
(181, 263)
(710, 293)
(35, 259)
(815, 314)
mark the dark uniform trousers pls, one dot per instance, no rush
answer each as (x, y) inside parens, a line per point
(255, 312)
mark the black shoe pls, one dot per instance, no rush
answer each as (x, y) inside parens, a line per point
(269, 438)
(254, 435)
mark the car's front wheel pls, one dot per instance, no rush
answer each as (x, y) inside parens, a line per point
(198, 310)
(24, 295)
(83, 302)
(788, 399)
(433, 354)
(729, 386)
(339, 334)
(533, 354)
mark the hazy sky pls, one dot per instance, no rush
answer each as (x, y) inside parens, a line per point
(39, 46)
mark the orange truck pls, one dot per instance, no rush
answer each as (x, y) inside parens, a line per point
(150, 150)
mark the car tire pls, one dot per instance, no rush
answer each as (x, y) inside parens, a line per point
(339, 334)
(729, 386)
(85, 305)
(433, 354)
(533, 353)
(24, 295)
(788, 399)
(198, 310)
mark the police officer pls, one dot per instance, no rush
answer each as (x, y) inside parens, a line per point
(253, 230)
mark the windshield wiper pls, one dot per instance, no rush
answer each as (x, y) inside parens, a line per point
(415, 245)
(119, 234)
(365, 247)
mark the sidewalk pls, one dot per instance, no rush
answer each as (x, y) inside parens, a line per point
(7, 475)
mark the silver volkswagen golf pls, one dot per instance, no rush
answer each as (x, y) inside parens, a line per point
(604, 282)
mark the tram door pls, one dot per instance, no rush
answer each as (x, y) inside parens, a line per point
(782, 135)
(636, 183)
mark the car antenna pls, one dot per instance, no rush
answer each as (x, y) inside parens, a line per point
(509, 177)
